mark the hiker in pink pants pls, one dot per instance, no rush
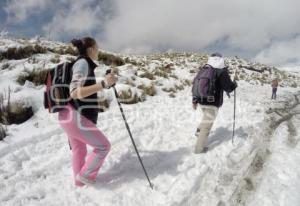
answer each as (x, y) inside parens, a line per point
(79, 118)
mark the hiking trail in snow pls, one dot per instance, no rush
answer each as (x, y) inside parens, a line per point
(36, 161)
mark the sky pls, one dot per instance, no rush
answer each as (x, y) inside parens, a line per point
(266, 31)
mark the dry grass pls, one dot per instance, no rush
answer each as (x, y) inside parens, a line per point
(65, 50)
(70, 59)
(130, 82)
(174, 76)
(2, 132)
(147, 75)
(128, 97)
(161, 73)
(2, 110)
(128, 60)
(5, 66)
(36, 76)
(172, 95)
(22, 52)
(13, 112)
(186, 82)
(179, 87)
(169, 90)
(110, 59)
(55, 59)
(17, 113)
(103, 105)
(148, 90)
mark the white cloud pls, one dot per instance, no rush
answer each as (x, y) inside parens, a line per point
(193, 25)
(70, 17)
(261, 29)
(284, 53)
(78, 17)
(19, 10)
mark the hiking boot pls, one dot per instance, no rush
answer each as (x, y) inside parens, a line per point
(204, 150)
(85, 180)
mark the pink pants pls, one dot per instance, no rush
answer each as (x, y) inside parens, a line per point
(82, 132)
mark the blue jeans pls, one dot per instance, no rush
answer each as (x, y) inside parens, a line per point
(274, 90)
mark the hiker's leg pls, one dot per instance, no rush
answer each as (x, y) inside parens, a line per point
(79, 150)
(86, 132)
(95, 138)
(209, 115)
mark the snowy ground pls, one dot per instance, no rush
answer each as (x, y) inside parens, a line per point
(36, 167)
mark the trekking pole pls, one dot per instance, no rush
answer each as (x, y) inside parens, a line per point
(234, 114)
(128, 129)
(234, 109)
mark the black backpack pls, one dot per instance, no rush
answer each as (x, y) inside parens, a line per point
(57, 81)
(204, 85)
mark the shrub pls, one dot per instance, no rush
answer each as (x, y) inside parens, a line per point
(70, 59)
(168, 68)
(174, 76)
(13, 113)
(5, 66)
(130, 82)
(22, 52)
(110, 59)
(2, 109)
(65, 50)
(147, 75)
(32, 60)
(148, 90)
(36, 76)
(179, 87)
(55, 59)
(128, 97)
(294, 85)
(172, 95)
(187, 82)
(17, 113)
(173, 90)
(161, 73)
(128, 60)
(2, 132)
(39, 49)
(103, 105)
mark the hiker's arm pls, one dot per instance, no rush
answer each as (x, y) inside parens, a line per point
(226, 83)
(82, 92)
(85, 91)
(79, 77)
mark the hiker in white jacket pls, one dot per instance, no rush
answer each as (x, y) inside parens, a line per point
(208, 88)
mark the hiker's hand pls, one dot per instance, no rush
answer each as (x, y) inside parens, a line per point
(111, 79)
(195, 106)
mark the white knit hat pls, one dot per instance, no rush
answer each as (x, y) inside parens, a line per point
(216, 61)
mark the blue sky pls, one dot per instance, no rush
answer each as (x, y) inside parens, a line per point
(264, 31)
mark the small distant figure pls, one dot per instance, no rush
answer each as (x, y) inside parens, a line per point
(274, 88)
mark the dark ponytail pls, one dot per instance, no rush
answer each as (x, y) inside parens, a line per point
(83, 44)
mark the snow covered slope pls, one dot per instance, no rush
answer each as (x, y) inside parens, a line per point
(260, 168)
